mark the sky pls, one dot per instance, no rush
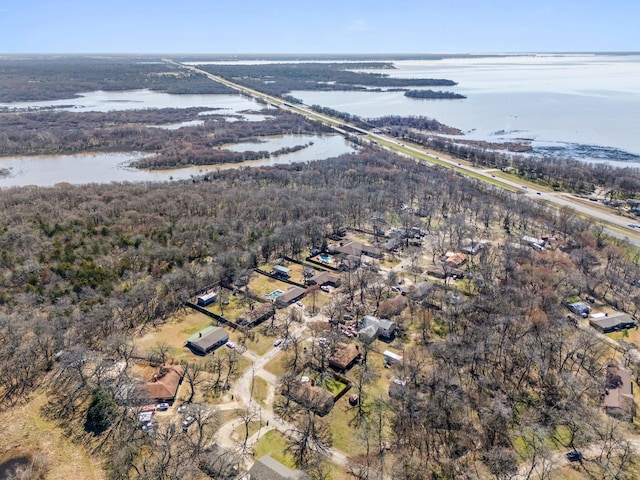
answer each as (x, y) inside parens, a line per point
(320, 26)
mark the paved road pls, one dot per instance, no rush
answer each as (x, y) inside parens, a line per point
(614, 224)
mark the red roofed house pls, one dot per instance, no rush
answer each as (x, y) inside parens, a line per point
(165, 384)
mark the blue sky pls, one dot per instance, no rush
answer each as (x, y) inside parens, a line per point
(321, 26)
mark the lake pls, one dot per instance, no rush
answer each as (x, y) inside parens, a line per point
(48, 170)
(583, 106)
(101, 101)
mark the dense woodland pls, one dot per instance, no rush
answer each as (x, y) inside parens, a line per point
(85, 269)
(281, 79)
(433, 95)
(61, 132)
(33, 78)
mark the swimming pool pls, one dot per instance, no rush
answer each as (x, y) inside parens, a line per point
(326, 258)
(273, 295)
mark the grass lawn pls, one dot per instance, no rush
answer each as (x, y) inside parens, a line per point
(174, 333)
(260, 390)
(25, 431)
(261, 285)
(239, 432)
(232, 312)
(278, 366)
(274, 443)
(261, 343)
(343, 435)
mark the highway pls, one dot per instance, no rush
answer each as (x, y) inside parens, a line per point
(613, 223)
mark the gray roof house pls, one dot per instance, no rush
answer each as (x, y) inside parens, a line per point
(613, 323)
(207, 340)
(383, 327)
(266, 468)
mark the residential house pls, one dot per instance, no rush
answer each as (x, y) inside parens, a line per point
(618, 400)
(219, 463)
(266, 468)
(315, 398)
(207, 340)
(344, 357)
(455, 259)
(164, 386)
(325, 278)
(292, 295)
(356, 248)
(382, 327)
(613, 323)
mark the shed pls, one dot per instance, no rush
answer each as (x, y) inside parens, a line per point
(207, 340)
(281, 271)
(391, 357)
(207, 298)
(579, 308)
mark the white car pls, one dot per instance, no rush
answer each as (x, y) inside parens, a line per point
(187, 422)
(231, 345)
(324, 288)
(277, 342)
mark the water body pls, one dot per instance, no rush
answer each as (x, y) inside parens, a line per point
(49, 170)
(101, 101)
(582, 106)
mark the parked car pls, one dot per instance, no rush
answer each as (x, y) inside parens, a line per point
(324, 288)
(574, 456)
(186, 423)
(231, 345)
(300, 304)
(277, 342)
(162, 407)
(183, 408)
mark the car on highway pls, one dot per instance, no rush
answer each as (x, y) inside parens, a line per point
(538, 193)
(524, 186)
(634, 225)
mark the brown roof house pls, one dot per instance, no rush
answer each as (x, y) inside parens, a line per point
(325, 278)
(164, 386)
(266, 468)
(312, 397)
(345, 356)
(618, 400)
(455, 259)
(287, 298)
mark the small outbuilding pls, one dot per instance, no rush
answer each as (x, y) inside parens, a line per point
(579, 308)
